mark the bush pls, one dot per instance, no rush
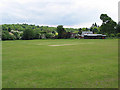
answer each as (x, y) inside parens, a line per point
(28, 34)
(4, 36)
(112, 35)
(49, 35)
(7, 36)
(17, 35)
(37, 36)
(43, 36)
(12, 37)
(118, 35)
(106, 34)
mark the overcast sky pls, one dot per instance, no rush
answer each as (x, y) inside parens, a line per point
(70, 13)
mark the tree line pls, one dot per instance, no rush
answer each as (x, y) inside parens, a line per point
(27, 32)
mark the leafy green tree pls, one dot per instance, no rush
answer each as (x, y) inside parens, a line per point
(95, 30)
(118, 28)
(17, 35)
(118, 35)
(106, 34)
(80, 31)
(95, 24)
(37, 33)
(83, 29)
(87, 29)
(112, 35)
(68, 35)
(4, 36)
(61, 32)
(53, 32)
(7, 36)
(49, 35)
(91, 29)
(28, 34)
(4, 27)
(12, 37)
(37, 36)
(108, 25)
(9, 29)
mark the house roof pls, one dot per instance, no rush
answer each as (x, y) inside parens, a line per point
(94, 35)
(87, 32)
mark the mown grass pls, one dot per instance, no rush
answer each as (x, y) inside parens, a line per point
(85, 64)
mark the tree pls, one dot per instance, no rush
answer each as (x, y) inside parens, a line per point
(61, 32)
(87, 29)
(112, 35)
(53, 32)
(7, 36)
(118, 35)
(28, 34)
(4, 36)
(91, 29)
(80, 31)
(108, 25)
(95, 30)
(37, 33)
(95, 24)
(118, 28)
(49, 35)
(68, 34)
(83, 29)
(17, 35)
(105, 18)
(9, 29)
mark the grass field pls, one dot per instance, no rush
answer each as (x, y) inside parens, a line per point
(60, 63)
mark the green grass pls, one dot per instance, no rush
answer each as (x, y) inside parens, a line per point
(85, 64)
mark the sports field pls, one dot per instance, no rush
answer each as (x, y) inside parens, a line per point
(65, 63)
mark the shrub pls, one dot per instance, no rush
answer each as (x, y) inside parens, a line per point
(28, 34)
(106, 34)
(112, 35)
(37, 36)
(17, 35)
(49, 35)
(118, 35)
(7, 36)
(12, 37)
(43, 36)
(4, 36)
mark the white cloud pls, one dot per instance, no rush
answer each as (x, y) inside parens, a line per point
(74, 13)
